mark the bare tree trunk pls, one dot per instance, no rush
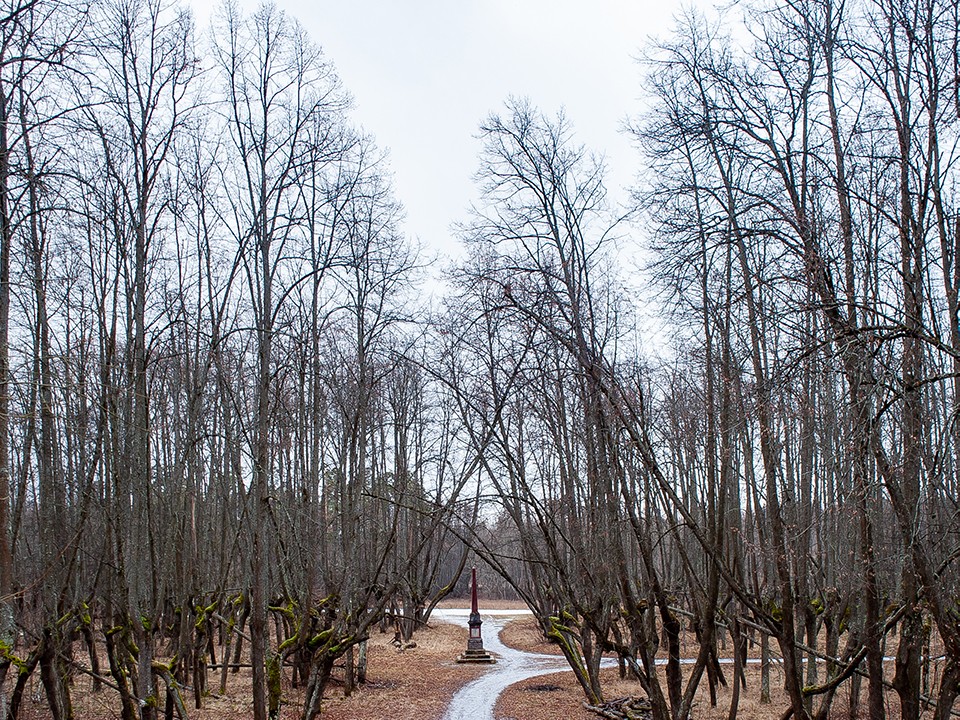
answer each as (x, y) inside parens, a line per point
(764, 669)
(7, 620)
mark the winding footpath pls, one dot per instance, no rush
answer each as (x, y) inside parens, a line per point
(476, 699)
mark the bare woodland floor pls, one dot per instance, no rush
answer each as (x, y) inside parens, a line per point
(415, 684)
(418, 683)
(559, 696)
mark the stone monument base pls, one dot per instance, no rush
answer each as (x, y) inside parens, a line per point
(476, 656)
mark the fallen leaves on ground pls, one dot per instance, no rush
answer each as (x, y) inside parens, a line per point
(414, 684)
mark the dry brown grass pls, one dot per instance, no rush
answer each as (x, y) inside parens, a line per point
(559, 696)
(416, 684)
(413, 685)
(524, 634)
(548, 697)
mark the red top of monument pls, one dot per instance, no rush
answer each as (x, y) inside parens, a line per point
(473, 607)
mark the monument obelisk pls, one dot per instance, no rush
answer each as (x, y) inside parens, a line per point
(475, 652)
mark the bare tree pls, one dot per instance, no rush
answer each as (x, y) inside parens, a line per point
(137, 111)
(540, 239)
(277, 87)
(775, 133)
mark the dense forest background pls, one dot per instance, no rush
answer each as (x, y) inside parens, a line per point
(230, 425)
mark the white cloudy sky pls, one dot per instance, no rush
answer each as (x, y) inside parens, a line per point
(424, 73)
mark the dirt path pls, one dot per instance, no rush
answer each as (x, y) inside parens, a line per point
(476, 699)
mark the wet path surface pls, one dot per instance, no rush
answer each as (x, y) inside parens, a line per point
(475, 700)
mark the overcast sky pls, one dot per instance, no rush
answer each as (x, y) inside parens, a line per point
(425, 73)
